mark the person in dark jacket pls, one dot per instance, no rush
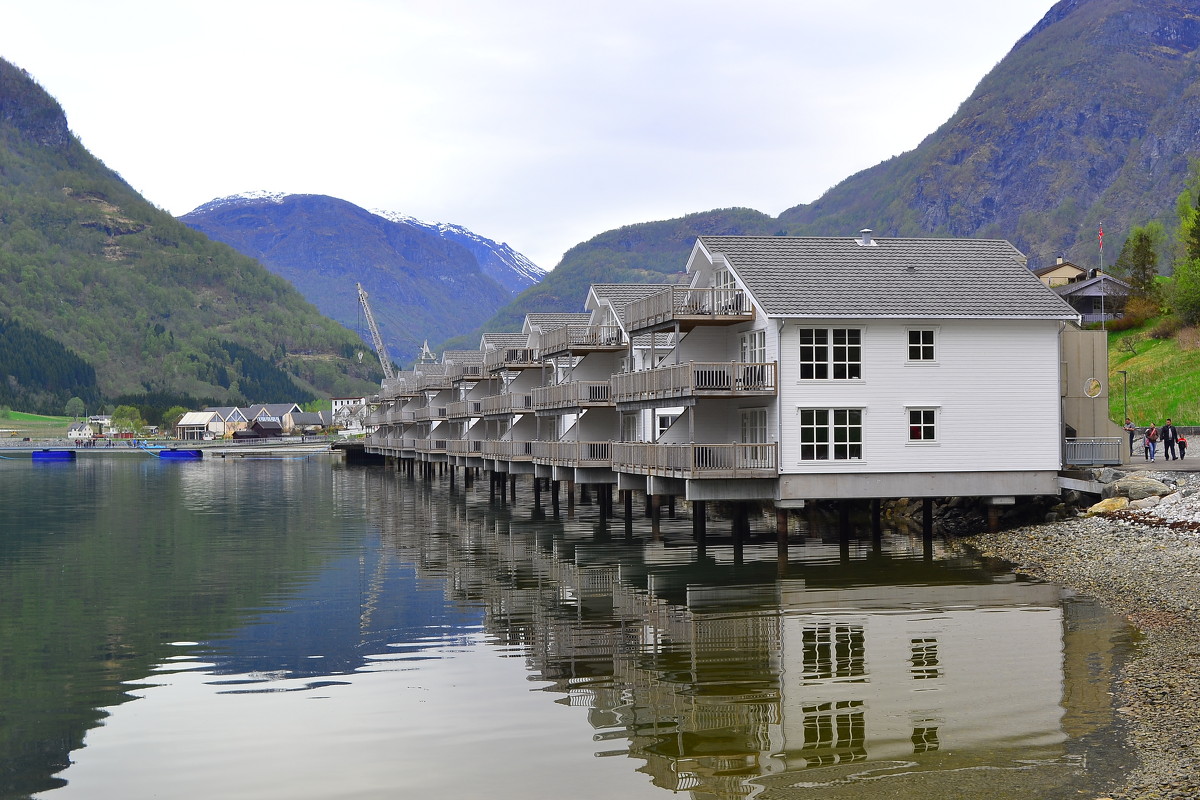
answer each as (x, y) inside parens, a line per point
(1169, 435)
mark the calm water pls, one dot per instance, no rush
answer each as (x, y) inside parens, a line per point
(302, 629)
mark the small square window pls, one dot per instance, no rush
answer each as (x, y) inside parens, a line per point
(921, 425)
(920, 345)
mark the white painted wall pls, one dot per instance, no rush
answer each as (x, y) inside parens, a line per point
(995, 384)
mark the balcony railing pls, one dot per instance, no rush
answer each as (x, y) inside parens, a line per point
(582, 339)
(464, 409)
(696, 379)
(511, 358)
(574, 394)
(464, 372)
(696, 460)
(464, 447)
(695, 306)
(515, 403)
(428, 413)
(509, 451)
(430, 445)
(573, 454)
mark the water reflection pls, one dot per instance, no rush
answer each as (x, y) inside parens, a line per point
(413, 614)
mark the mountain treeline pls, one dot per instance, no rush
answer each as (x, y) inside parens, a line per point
(151, 305)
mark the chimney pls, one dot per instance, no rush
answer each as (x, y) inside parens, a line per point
(865, 239)
(1060, 259)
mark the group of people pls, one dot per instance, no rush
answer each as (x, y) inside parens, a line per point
(1174, 442)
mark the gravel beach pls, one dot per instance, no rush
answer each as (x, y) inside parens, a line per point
(1144, 562)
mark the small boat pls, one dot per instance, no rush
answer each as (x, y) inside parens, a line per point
(53, 455)
(177, 455)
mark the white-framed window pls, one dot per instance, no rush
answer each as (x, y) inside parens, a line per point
(753, 346)
(629, 427)
(664, 421)
(830, 353)
(831, 434)
(754, 425)
(922, 425)
(921, 345)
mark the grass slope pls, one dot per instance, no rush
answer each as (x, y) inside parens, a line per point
(1163, 378)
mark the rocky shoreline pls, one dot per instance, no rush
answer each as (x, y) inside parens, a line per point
(1139, 554)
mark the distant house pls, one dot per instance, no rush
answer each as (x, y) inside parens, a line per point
(349, 413)
(1096, 298)
(232, 420)
(197, 425)
(1060, 273)
(280, 413)
(311, 421)
(79, 430)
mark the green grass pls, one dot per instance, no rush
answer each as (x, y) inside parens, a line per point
(35, 426)
(1163, 378)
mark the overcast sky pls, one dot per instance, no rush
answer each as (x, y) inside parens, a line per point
(531, 122)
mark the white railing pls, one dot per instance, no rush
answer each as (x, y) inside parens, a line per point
(509, 451)
(464, 447)
(511, 358)
(696, 378)
(582, 337)
(696, 460)
(573, 454)
(515, 403)
(574, 394)
(680, 302)
(464, 372)
(464, 409)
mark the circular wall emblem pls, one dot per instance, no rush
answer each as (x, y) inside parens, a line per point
(1092, 387)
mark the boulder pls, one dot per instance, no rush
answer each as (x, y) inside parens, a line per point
(1109, 505)
(1136, 487)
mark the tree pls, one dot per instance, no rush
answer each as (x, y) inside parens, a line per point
(74, 408)
(171, 417)
(127, 418)
(1139, 258)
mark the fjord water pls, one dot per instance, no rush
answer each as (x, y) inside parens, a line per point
(298, 628)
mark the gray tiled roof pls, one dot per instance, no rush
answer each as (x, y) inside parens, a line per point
(462, 357)
(549, 321)
(838, 277)
(498, 340)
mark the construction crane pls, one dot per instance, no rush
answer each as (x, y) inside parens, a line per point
(376, 339)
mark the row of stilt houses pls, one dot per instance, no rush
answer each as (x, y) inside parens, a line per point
(783, 370)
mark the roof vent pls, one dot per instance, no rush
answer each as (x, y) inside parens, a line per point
(865, 239)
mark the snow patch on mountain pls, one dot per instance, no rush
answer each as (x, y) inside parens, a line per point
(499, 261)
(243, 198)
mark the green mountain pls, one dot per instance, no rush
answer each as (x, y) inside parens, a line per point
(151, 306)
(1091, 118)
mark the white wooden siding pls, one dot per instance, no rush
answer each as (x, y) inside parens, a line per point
(994, 383)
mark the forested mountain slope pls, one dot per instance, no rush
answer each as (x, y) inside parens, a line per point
(151, 305)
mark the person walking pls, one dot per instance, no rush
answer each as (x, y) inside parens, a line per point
(1168, 435)
(1151, 442)
(1131, 429)
(1182, 444)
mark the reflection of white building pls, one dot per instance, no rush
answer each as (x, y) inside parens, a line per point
(878, 673)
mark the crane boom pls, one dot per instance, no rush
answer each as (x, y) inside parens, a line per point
(376, 339)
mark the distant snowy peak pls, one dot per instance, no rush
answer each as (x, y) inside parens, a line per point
(497, 259)
(244, 198)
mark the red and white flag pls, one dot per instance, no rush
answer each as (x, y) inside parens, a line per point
(1101, 235)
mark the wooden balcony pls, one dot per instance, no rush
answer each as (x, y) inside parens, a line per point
(508, 451)
(464, 447)
(430, 446)
(512, 358)
(572, 395)
(429, 413)
(498, 405)
(688, 308)
(696, 461)
(573, 454)
(457, 373)
(582, 339)
(464, 409)
(696, 379)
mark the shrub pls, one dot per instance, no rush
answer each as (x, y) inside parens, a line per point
(1166, 328)
(1137, 311)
